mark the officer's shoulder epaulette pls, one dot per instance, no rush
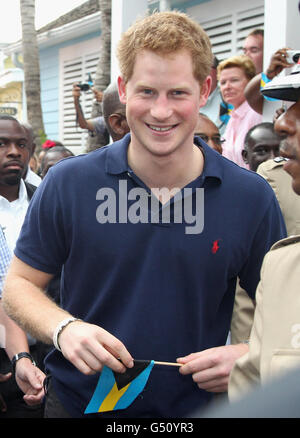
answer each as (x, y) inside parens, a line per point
(279, 159)
(275, 162)
(270, 164)
(285, 242)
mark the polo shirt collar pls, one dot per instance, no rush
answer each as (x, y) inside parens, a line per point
(116, 160)
(213, 161)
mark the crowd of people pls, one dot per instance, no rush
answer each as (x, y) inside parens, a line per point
(103, 260)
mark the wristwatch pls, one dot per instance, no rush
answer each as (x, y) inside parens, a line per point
(20, 356)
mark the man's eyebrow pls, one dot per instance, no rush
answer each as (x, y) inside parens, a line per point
(262, 144)
(142, 85)
(2, 137)
(250, 47)
(180, 87)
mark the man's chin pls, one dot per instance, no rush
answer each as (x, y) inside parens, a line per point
(12, 180)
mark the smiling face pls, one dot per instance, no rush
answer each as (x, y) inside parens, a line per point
(232, 84)
(288, 126)
(15, 152)
(162, 100)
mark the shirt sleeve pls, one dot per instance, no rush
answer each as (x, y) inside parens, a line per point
(99, 125)
(41, 243)
(270, 229)
(5, 258)
(246, 371)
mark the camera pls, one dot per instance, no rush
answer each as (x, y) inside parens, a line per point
(292, 56)
(86, 85)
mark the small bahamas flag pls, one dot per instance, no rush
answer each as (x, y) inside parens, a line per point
(117, 391)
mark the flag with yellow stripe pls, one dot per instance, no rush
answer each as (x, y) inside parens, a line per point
(117, 391)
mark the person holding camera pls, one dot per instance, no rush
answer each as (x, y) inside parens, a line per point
(96, 125)
(278, 62)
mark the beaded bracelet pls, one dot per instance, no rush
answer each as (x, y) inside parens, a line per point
(60, 328)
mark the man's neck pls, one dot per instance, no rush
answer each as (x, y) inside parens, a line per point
(175, 171)
(11, 193)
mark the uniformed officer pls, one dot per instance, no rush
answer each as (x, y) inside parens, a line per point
(281, 182)
(262, 143)
(274, 346)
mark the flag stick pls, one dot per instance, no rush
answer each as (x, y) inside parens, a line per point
(156, 362)
(174, 364)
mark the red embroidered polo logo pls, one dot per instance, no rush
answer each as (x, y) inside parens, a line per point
(215, 246)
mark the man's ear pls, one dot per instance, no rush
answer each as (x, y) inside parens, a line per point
(122, 90)
(245, 156)
(32, 149)
(205, 90)
(114, 121)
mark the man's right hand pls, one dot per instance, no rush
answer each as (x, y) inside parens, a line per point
(30, 380)
(76, 91)
(89, 347)
(277, 63)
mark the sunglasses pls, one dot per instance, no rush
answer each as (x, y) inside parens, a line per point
(215, 138)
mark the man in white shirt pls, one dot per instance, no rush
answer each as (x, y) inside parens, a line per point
(15, 152)
(15, 194)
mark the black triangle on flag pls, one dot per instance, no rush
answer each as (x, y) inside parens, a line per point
(122, 379)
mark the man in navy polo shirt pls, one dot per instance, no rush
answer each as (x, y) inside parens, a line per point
(152, 233)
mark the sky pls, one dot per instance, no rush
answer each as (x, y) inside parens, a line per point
(46, 11)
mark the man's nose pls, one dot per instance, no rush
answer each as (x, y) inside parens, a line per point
(13, 149)
(161, 108)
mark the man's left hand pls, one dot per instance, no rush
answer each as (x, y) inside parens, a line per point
(211, 368)
(98, 94)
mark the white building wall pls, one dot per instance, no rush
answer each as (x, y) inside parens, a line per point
(282, 29)
(228, 22)
(124, 13)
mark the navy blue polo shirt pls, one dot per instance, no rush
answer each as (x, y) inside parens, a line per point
(163, 291)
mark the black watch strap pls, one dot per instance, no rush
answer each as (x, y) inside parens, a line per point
(20, 356)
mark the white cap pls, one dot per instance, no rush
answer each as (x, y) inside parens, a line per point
(284, 87)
